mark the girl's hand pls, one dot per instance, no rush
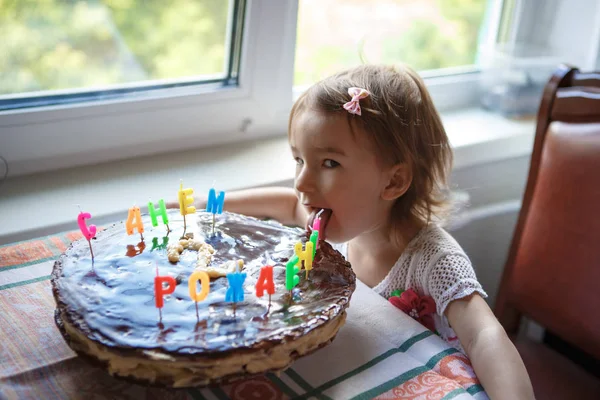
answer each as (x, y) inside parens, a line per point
(495, 359)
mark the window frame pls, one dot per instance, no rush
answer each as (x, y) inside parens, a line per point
(52, 137)
(48, 138)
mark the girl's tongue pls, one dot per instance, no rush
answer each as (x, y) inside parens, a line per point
(318, 220)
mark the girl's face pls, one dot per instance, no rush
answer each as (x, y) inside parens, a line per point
(338, 171)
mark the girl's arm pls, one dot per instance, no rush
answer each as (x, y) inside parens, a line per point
(495, 359)
(279, 203)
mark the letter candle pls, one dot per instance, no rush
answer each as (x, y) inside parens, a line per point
(316, 228)
(205, 288)
(305, 254)
(88, 233)
(162, 211)
(314, 239)
(185, 203)
(291, 271)
(215, 204)
(265, 282)
(235, 292)
(160, 291)
(134, 220)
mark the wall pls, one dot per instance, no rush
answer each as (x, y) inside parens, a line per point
(485, 226)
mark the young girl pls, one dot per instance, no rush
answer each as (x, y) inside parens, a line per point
(372, 160)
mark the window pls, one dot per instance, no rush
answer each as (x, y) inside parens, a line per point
(72, 51)
(428, 35)
(90, 81)
(133, 77)
(439, 38)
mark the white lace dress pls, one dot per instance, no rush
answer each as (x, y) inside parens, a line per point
(433, 264)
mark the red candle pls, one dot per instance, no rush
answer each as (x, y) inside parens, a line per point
(265, 281)
(160, 291)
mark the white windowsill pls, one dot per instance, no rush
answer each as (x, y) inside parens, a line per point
(44, 204)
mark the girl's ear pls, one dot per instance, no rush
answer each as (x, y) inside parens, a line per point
(400, 178)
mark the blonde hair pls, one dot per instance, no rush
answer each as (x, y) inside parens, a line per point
(402, 125)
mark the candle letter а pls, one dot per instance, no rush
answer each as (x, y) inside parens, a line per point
(160, 291)
(186, 200)
(265, 281)
(90, 232)
(154, 213)
(204, 284)
(305, 254)
(235, 292)
(215, 204)
(134, 220)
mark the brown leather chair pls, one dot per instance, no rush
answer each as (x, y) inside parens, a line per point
(552, 274)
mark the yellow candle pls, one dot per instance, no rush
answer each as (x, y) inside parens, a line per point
(186, 200)
(305, 254)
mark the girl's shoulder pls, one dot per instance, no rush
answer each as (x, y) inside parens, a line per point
(435, 242)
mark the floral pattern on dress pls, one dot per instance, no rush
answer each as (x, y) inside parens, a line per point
(420, 308)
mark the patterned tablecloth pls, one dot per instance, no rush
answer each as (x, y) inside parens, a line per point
(379, 353)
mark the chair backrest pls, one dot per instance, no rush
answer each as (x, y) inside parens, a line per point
(552, 274)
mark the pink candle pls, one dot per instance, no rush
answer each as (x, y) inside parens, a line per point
(317, 224)
(90, 232)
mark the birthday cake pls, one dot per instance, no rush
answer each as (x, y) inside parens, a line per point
(107, 307)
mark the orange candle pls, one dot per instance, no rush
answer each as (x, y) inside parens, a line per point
(204, 284)
(134, 220)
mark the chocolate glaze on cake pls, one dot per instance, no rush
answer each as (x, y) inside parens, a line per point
(109, 304)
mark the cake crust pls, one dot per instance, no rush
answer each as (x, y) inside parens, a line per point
(106, 311)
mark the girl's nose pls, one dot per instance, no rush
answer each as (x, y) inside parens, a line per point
(305, 182)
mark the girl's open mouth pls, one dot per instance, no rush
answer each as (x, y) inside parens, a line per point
(318, 219)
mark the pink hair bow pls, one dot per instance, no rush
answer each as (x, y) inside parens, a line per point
(353, 106)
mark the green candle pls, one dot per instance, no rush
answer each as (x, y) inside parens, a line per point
(154, 213)
(314, 238)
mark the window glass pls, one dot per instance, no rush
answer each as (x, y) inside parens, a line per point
(425, 34)
(60, 46)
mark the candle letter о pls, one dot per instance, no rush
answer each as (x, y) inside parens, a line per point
(204, 283)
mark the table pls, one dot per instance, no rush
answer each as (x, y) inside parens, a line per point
(379, 353)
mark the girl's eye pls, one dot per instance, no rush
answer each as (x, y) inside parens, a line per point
(299, 161)
(330, 164)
